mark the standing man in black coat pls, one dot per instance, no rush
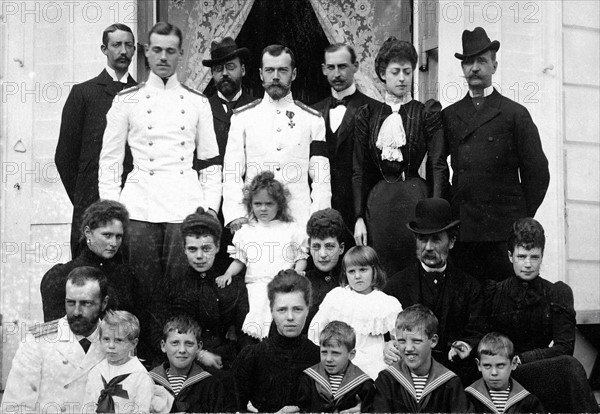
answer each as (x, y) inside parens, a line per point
(500, 170)
(83, 123)
(339, 110)
(455, 298)
(227, 65)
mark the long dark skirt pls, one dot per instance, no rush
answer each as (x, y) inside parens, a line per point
(390, 207)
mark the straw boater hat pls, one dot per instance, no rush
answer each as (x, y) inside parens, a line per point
(432, 215)
(225, 50)
(475, 43)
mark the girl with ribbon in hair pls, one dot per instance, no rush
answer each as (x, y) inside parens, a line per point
(391, 141)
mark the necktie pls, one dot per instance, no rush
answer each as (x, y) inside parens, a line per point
(228, 104)
(337, 102)
(85, 344)
(106, 404)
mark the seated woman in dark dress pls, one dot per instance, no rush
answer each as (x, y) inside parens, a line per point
(219, 311)
(539, 317)
(102, 231)
(325, 230)
(267, 374)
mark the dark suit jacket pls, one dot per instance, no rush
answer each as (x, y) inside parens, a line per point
(80, 142)
(500, 170)
(222, 120)
(340, 146)
(459, 309)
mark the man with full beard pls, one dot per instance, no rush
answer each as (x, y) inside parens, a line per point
(51, 366)
(278, 134)
(227, 64)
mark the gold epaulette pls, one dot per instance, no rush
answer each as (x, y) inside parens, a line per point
(308, 109)
(192, 90)
(46, 328)
(132, 89)
(247, 106)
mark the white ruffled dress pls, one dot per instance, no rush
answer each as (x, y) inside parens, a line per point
(371, 315)
(265, 249)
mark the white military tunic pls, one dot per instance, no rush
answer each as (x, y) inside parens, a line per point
(49, 371)
(287, 138)
(163, 125)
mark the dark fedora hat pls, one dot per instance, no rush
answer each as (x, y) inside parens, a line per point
(432, 215)
(475, 43)
(223, 51)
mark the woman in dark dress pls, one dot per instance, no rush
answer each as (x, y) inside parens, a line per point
(325, 230)
(539, 317)
(219, 311)
(391, 141)
(102, 231)
(267, 374)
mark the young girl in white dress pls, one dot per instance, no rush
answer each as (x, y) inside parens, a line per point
(361, 304)
(269, 243)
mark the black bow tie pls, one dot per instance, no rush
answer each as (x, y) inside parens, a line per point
(336, 102)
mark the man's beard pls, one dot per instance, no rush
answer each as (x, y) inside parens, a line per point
(276, 90)
(81, 325)
(228, 86)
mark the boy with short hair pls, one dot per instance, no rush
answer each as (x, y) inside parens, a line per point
(496, 391)
(335, 384)
(194, 389)
(119, 383)
(418, 383)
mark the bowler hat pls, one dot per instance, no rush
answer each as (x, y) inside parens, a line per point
(475, 43)
(223, 51)
(432, 215)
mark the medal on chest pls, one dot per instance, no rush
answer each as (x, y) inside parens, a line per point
(290, 115)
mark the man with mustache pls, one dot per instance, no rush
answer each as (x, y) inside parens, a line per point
(83, 123)
(454, 297)
(279, 134)
(338, 111)
(49, 371)
(227, 64)
(500, 170)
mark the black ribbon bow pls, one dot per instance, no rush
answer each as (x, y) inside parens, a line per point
(85, 344)
(113, 388)
(337, 102)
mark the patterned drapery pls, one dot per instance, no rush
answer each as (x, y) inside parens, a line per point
(348, 22)
(201, 22)
(364, 24)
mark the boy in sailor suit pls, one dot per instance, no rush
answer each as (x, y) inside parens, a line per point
(335, 384)
(496, 391)
(418, 383)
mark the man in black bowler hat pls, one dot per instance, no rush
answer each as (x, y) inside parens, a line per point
(454, 297)
(227, 65)
(500, 170)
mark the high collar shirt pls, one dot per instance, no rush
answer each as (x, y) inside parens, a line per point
(336, 115)
(163, 123)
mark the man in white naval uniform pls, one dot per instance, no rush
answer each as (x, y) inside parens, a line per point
(279, 134)
(163, 121)
(49, 371)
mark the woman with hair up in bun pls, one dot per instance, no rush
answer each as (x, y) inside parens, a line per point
(219, 311)
(391, 141)
(103, 228)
